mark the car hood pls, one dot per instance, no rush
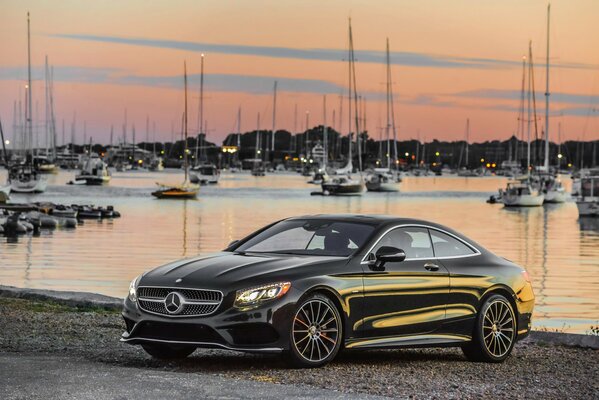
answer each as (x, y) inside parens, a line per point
(231, 271)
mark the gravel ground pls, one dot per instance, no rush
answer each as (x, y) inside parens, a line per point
(533, 371)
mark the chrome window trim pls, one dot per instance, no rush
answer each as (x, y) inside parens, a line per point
(190, 302)
(476, 251)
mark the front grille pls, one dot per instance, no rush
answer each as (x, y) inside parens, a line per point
(196, 302)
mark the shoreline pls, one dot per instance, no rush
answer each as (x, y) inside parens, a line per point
(87, 300)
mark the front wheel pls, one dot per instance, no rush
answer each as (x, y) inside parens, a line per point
(316, 332)
(495, 331)
(168, 352)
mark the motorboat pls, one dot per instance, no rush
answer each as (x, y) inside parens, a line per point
(259, 170)
(206, 173)
(185, 191)
(94, 172)
(521, 194)
(552, 187)
(382, 180)
(319, 178)
(342, 185)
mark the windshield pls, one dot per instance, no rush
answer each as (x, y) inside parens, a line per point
(309, 237)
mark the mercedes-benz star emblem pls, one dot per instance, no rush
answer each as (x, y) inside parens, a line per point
(173, 303)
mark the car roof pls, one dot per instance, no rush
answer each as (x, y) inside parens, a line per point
(383, 221)
(373, 219)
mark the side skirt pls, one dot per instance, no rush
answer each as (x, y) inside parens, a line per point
(426, 340)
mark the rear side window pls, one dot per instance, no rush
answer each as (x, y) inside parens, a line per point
(448, 246)
(414, 241)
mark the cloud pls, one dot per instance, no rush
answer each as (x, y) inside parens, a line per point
(61, 74)
(215, 82)
(557, 97)
(366, 56)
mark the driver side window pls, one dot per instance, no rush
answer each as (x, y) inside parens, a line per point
(414, 241)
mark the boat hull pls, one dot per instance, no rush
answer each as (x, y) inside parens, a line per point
(205, 179)
(4, 193)
(526, 200)
(340, 190)
(382, 187)
(32, 186)
(588, 208)
(556, 196)
(93, 180)
(175, 194)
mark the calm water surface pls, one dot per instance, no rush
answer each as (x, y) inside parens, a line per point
(560, 252)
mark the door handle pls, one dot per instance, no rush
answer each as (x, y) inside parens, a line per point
(431, 267)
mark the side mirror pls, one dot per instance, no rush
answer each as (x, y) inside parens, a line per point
(387, 254)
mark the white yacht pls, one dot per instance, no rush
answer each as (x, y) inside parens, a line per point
(521, 194)
(552, 187)
(24, 178)
(94, 172)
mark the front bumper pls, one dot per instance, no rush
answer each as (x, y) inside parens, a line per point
(264, 329)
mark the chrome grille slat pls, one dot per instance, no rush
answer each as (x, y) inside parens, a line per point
(198, 302)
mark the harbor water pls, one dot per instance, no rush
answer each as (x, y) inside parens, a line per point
(560, 251)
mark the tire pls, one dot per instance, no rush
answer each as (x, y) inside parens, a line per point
(168, 352)
(315, 334)
(495, 331)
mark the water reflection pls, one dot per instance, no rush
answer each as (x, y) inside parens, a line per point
(560, 251)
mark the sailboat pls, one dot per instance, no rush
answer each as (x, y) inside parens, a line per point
(343, 183)
(185, 190)
(24, 178)
(546, 181)
(202, 172)
(384, 179)
(258, 168)
(522, 193)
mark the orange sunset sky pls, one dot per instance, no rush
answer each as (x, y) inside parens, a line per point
(452, 60)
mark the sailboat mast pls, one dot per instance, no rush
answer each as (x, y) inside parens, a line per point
(349, 92)
(239, 130)
(257, 151)
(274, 116)
(546, 163)
(47, 104)
(352, 64)
(467, 138)
(528, 120)
(28, 110)
(185, 121)
(388, 127)
(324, 132)
(201, 110)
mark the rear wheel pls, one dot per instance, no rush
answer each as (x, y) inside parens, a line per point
(316, 333)
(167, 351)
(495, 331)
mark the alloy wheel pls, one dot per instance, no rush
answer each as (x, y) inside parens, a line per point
(315, 330)
(498, 328)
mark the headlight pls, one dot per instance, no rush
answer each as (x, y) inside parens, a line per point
(133, 289)
(259, 294)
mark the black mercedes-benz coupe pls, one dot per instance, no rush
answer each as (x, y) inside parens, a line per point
(310, 286)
